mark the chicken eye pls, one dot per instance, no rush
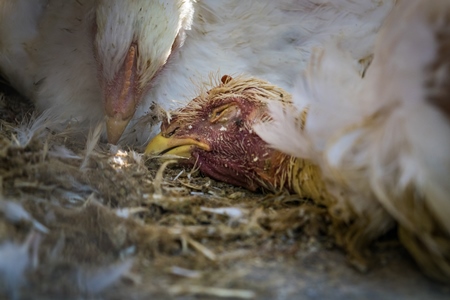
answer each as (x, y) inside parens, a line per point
(172, 132)
(224, 113)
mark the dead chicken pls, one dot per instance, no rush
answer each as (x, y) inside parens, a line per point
(214, 132)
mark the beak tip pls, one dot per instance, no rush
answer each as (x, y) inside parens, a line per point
(115, 128)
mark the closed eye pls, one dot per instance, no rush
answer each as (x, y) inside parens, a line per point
(169, 134)
(224, 113)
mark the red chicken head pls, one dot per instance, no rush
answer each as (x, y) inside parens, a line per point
(214, 132)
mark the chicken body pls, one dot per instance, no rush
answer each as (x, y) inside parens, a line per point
(382, 142)
(87, 59)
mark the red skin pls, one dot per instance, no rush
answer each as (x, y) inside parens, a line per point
(236, 154)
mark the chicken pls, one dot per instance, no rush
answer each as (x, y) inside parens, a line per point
(214, 132)
(87, 59)
(382, 142)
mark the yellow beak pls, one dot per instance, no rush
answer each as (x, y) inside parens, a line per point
(161, 145)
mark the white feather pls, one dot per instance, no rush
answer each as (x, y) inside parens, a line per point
(15, 213)
(95, 281)
(15, 64)
(380, 140)
(264, 38)
(15, 260)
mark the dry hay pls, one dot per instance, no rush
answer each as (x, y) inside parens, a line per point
(81, 219)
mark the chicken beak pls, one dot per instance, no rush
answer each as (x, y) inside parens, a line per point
(173, 146)
(122, 97)
(115, 126)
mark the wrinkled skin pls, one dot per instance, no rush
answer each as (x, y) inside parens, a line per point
(214, 133)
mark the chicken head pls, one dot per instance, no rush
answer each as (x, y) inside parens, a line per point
(87, 59)
(133, 42)
(215, 133)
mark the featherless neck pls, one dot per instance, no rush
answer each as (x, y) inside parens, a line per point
(298, 176)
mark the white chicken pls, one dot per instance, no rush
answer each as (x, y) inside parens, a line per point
(84, 59)
(87, 59)
(383, 141)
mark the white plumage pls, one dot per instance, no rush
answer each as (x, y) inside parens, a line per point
(85, 59)
(383, 141)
